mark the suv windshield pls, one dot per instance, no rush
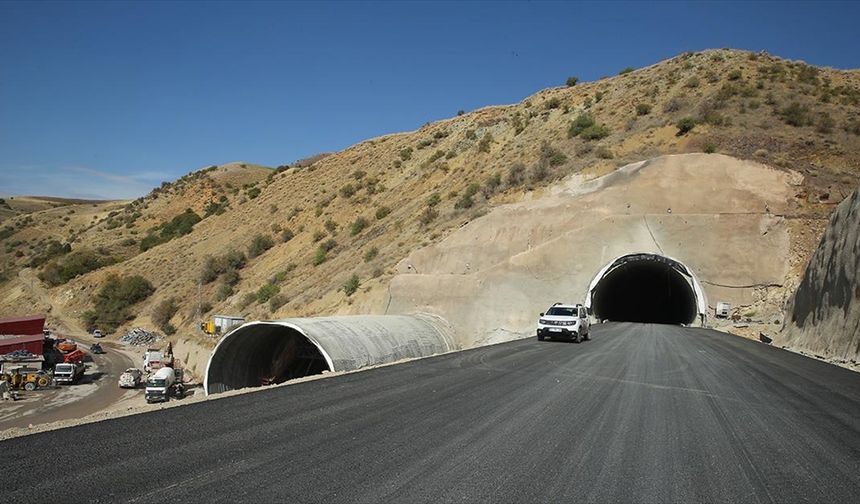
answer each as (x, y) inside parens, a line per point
(562, 312)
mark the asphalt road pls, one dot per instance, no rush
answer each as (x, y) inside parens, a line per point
(640, 413)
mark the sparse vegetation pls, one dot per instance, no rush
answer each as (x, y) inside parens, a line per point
(571, 81)
(180, 225)
(796, 114)
(163, 312)
(685, 125)
(382, 212)
(484, 144)
(260, 244)
(643, 109)
(626, 70)
(358, 225)
(112, 303)
(61, 270)
(266, 292)
(351, 285)
(371, 254)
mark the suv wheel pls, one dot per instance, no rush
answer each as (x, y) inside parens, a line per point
(540, 337)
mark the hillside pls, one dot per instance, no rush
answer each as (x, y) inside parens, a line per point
(823, 317)
(306, 230)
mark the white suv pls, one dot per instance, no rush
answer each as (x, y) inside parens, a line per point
(564, 321)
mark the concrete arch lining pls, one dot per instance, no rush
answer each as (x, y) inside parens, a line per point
(344, 343)
(695, 286)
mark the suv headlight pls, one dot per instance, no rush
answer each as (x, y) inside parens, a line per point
(542, 321)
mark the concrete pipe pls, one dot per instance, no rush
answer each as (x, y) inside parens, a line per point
(270, 352)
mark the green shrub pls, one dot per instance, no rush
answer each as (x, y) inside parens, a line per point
(571, 81)
(50, 251)
(277, 301)
(796, 115)
(552, 103)
(595, 132)
(371, 254)
(319, 256)
(406, 154)
(63, 269)
(266, 292)
(603, 152)
(484, 144)
(516, 174)
(318, 235)
(626, 70)
(347, 191)
(692, 82)
(470, 135)
(709, 148)
(358, 225)
(260, 244)
(434, 199)
(330, 226)
(492, 184)
(351, 285)
(734, 75)
(112, 303)
(382, 212)
(163, 312)
(224, 291)
(581, 122)
(287, 235)
(329, 244)
(551, 156)
(180, 225)
(685, 125)
(253, 192)
(643, 109)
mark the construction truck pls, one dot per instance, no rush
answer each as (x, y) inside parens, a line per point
(161, 385)
(69, 372)
(131, 378)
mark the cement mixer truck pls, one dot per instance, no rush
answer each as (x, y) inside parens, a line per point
(160, 385)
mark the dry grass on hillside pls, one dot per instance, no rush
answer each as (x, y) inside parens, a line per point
(359, 211)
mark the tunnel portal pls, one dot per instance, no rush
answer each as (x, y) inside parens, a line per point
(268, 354)
(647, 288)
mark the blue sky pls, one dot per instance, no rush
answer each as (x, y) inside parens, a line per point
(107, 99)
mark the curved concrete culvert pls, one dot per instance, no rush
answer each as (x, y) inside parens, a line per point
(271, 352)
(646, 288)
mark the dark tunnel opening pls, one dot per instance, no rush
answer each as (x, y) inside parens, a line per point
(645, 290)
(263, 354)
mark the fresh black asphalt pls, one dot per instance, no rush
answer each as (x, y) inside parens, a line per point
(644, 413)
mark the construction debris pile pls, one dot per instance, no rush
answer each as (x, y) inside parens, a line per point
(140, 337)
(18, 355)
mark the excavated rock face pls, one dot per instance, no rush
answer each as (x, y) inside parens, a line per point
(823, 317)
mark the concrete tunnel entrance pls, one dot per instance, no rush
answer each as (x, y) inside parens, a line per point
(272, 352)
(268, 354)
(648, 288)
